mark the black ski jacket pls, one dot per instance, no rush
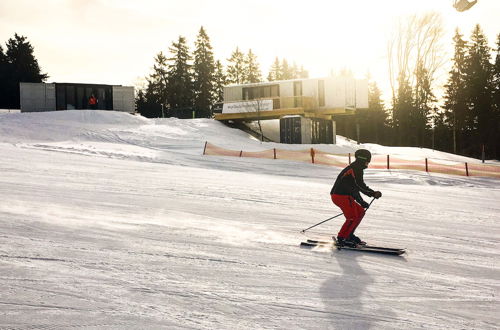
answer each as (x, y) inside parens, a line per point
(350, 182)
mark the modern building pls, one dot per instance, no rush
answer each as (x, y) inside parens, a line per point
(35, 97)
(317, 101)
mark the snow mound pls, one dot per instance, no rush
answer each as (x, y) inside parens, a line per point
(61, 125)
(87, 117)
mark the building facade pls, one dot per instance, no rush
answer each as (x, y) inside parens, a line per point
(36, 97)
(316, 100)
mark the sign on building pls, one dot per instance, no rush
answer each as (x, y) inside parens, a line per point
(248, 106)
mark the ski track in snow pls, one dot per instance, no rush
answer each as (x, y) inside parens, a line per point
(113, 221)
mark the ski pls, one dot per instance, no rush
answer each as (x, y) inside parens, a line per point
(366, 246)
(379, 250)
(363, 248)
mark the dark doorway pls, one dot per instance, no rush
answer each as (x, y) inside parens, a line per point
(76, 96)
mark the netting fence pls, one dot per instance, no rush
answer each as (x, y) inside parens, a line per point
(387, 162)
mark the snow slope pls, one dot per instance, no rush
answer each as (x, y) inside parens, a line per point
(109, 220)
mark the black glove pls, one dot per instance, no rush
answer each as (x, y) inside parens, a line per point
(377, 194)
(364, 204)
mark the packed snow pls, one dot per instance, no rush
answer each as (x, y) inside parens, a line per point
(109, 220)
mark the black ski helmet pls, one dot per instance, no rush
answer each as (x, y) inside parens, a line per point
(363, 154)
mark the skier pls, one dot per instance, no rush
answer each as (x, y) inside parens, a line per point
(346, 195)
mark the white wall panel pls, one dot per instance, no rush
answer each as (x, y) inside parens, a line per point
(123, 99)
(37, 97)
(362, 94)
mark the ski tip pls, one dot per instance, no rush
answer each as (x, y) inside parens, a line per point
(313, 241)
(307, 245)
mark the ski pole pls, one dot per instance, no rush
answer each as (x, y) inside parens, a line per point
(338, 215)
(370, 204)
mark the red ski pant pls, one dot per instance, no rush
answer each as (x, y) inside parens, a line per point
(353, 213)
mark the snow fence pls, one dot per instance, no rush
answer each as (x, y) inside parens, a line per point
(378, 161)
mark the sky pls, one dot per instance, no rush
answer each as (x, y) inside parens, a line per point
(115, 41)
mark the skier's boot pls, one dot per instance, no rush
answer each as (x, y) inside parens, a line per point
(341, 242)
(356, 240)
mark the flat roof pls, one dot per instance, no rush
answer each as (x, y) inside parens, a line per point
(264, 83)
(70, 83)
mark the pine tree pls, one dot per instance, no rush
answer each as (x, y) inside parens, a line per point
(283, 71)
(3, 57)
(496, 77)
(377, 115)
(455, 106)
(275, 71)
(371, 121)
(180, 80)
(441, 133)
(496, 103)
(158, 80)
(375, 102)
(236, 67)
(152, 100)
(294, 70)
(21, 66)
(219, 82)
(146, 106)
(303, 73)
(402, 111)
(286, 71)
(423, 107)
(5, 78)
(252, 69)
(478, 81)
(204, 71)
(140, 101)
(20, 55)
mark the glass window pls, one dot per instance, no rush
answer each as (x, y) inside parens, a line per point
(252, 93)
(297, 93)
(109, 98)
(60, 97)
(70, 98)
(101, 101)
(81, 100)
(275, 91)
(267, 91)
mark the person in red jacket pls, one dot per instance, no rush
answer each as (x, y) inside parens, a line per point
(92, 102)
(345, 194)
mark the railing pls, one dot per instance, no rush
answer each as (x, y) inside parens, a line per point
(386, 162)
